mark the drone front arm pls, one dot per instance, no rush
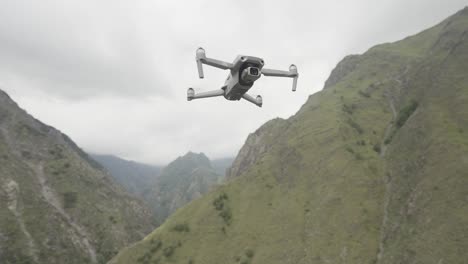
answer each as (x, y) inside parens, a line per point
(292, 73)
(202, 59)
(277, 73)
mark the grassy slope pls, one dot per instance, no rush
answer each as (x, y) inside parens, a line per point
(329, 190)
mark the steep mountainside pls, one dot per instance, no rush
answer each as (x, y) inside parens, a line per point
(183, 180)
(56, 204)
(372, 169)
(133, 176)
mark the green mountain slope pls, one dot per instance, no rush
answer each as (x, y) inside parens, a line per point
(181, 181)
(56, 204)
(373, 169)
(135, 177)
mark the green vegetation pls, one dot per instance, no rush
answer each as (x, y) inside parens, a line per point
(401, 119)
(249, 253)
(364, 94)
(406, 112)
(247, 258)
(70, 199)
(376, 148)
(349, 109)
(220, 204)
(169, 251)
(181, 228)
(355, 125)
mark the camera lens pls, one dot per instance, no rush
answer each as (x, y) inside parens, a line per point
(253, 71)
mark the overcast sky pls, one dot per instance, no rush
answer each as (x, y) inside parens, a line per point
(113, 74)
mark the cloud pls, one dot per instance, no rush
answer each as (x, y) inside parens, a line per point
(113, 74)
(77, 49)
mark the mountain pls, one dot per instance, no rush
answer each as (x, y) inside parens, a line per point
(181, 181)
(57, 204)
(133, 176)
(166, 189)
(372, 169)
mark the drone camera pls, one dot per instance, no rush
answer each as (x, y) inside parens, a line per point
(250, 74)
(254, 71)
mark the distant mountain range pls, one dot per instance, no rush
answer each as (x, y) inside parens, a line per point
(57, 205)
(166, 189)
(372, 169)
(133, 176)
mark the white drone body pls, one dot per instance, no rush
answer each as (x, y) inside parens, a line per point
(244, 71)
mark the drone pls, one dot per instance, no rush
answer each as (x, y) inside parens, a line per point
(244, 71)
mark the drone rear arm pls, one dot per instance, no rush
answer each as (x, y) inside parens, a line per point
(292, 73)
(202, 59)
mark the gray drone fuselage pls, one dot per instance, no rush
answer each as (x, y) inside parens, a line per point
(244, 71)
(235, 85)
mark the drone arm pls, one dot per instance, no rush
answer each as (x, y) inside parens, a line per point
(202, 59)
(216, 63)
(277, 73)
(292, 73)
(191, 94)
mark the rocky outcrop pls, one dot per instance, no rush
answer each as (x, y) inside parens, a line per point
(344, 67)
(255, 146)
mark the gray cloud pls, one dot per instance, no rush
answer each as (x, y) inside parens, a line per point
(75, 50)
(113, 74)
